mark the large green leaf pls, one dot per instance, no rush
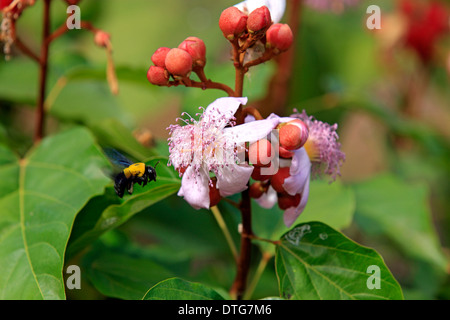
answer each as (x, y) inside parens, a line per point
(400, 210)
(46, 190)
(106, 213)
(314, 261)
(123, 276)
(179, 289)
(333, 204)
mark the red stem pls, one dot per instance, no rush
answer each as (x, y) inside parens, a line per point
(243, 265)
(43, 70)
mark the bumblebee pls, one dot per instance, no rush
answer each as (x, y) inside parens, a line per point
(132, 173)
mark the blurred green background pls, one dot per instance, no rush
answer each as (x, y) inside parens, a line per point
(393, 114)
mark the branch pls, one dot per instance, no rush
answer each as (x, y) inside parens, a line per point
(40, 117)
(27, 51)
(203, 85)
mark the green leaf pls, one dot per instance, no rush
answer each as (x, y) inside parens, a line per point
(90, 224)
(46, 190)
(114, 134)
(314, 261)
(179, 289)
(122, 276)
(333, 204)
(400, 210)
(87, 101)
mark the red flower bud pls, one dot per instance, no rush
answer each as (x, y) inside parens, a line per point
(196, 48)
(157, 76)
(278, 179)
(286, 201)
(72, 2)
(178, 62)
(284, 153)
(261, 153)
(214, 194)
(256, 190)
(256, 174)
(279, 36)
(102, 38)
(259, 19)
(5, 3)
(232, 22)
(293, 134)
(159, 57)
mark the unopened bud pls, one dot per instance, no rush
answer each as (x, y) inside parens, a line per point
(279, 36)
(157, 76)
(159, 57)
(102, 38)
(284, 153)
(232, 22)
(196, 48)
(286, 201)
(5, 3)
(72, 2)
(178, 62)
(261, 153)
(256, 174)
(256, 190)
(277, 180)
(214, 194)
(293, 134)
(259, 19)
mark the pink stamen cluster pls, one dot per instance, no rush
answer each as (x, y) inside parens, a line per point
(201, 144)
(322, 146)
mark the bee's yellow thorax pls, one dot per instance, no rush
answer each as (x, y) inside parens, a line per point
(136, 169)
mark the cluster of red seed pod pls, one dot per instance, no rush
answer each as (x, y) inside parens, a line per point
(178, 62)
(292, 135)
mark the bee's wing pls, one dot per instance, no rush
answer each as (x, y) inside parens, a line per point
(117, 158)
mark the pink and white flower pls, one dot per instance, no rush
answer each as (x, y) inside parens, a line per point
(320, 155)
(213, 145)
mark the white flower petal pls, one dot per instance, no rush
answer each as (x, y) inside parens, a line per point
(195, 188)
(222, 110)
(280, 119)
(299, 171)
(268, 199)
(251, 131)
(233, 179)
(291, 214)
(276, 7)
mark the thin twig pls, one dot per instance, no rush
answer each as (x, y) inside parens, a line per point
(216, 212)
(258, 273)
(40, 118)
(25, 50)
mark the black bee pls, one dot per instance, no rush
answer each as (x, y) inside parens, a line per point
(132, 173)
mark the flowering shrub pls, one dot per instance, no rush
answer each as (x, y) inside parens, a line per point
(268, 149)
